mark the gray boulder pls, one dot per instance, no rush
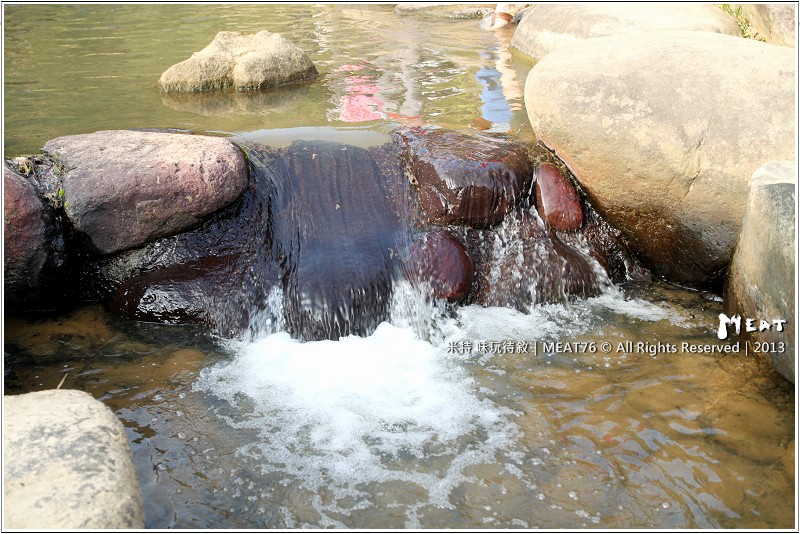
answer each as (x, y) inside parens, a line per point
(66, 464)
(664, 130)
(246, 62)
(776, 23)
(760, 283)
(124, 188)
(546, 27)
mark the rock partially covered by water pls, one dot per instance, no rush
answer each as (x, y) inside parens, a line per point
(556, 200)
(470, 179)
(546, 27)
(440, 260)
(26, 237)
(761, 282)
(246, 62)
(337, 235)
(439, 9)
(124, 188)
(67, 464)
(667, 164)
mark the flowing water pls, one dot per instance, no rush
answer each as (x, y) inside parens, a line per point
(567, 416)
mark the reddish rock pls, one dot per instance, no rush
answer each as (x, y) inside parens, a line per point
(557, 201)
(440, 259)
(25, 242)
(124, 188)
(465, 178)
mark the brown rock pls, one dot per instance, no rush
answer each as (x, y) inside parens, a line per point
(440, 259)
(465, 178)
(123, 188)
(557, 202)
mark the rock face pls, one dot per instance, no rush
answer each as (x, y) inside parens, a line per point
(465, 179)
(66, 464)
(556, 200)
(26, 236)
(777, 23)
(439, 259)
(246, 62)
(546, 27)
(667, 163)
(760, 283)
(123, 188)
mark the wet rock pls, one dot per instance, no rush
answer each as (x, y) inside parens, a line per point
(440, 260)
(556, 200)
(123, 188)
(451, 11)
(471, 179)
(337, 235)
(246, 62)
(760, 282)
(66, 464)
(503, 14)
(776, 23)
(667, 164)
(546, 27)
(33, 243)
(524, 265)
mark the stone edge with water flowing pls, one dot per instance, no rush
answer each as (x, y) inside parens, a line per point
(67, 464)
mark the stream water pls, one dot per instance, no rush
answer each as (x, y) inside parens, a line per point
(567, 416)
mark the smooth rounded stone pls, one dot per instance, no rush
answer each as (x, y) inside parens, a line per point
(243, 61)
(668, 164)
(124, 188)
(776, 23)
(760, 283)
(26, 236)
(465, 178)
(67, 464)
(546, 27)
(440, 260)
(451, 11)
(556, 200)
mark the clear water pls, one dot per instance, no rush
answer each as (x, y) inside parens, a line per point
(463, 418)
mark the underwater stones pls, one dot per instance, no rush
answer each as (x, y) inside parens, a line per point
(451, 11)
(243, 61)
(26, 232)
(668, 164)
(760, 281)
(440, 260)
(124, 188)
(337, 235)
(465, 178)
(546, 27)
(67, 464)
(556, 200)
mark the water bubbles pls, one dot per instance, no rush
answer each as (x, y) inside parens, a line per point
(665, 505)
(540, 496)
(573, 495)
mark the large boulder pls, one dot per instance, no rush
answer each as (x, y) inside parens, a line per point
(545, 27)
(66, 464)
(776, 23)
(26, 236)
(760, 283)
(664, 130)
(246, 62)
(470, 179)
(123, 188)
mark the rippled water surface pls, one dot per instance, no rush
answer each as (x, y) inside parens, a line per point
(467, 418)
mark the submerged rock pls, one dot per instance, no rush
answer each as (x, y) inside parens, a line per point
(470, 179)
(124, 188)
(761, 283)
(446, 10)
(66, 464)
(668, 164)
(246, 62)
(546, 27)
(440, 260)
